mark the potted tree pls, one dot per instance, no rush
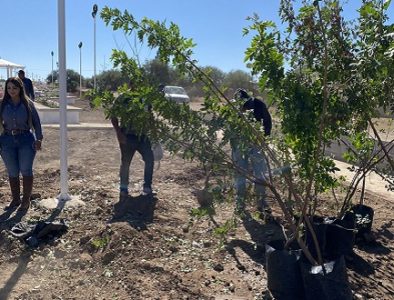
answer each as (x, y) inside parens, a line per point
(316, 96)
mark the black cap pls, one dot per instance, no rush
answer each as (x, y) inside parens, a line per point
(241, 93)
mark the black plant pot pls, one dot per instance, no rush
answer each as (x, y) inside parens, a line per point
(363, 216)
(328, 284)
(284, 276)
(319, 228)
(335, 237)
(339, 241)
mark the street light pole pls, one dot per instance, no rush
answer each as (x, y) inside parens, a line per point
(94, 12)
(52, 68)
(80, 70)
(63, 102)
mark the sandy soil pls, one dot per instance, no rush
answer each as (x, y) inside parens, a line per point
(153, 248)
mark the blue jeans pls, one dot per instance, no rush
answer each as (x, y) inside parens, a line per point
(242, 159)
(143, 146)
(18, 153)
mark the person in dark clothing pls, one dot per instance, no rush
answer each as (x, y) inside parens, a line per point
(28, 85)
(130, 142)
(253, 154)
(20, 139)
(260, 113)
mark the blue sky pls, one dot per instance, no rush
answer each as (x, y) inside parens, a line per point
(29, 30)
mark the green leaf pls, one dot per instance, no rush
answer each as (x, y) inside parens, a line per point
(386, 4)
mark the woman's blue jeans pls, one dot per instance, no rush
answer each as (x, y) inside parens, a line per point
(18, 153)
(242, 159)
(143, 146)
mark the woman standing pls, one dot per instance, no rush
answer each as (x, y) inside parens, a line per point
(21, 137)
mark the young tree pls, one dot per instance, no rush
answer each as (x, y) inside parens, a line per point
(315, 94)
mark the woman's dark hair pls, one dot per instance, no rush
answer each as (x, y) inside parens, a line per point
(19, 83)
(22, 95)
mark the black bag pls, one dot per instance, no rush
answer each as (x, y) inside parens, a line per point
(363, 219)
(328, 284)
(284, 279)
(33, 234)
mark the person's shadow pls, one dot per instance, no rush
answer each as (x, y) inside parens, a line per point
(9, 285)
(138, 211)
(7, 221)
(261, 234)
(6, 218)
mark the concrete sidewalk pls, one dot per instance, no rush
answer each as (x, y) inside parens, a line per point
(373, 183)
(81, 126)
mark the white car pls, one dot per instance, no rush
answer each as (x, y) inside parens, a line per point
(176, 93)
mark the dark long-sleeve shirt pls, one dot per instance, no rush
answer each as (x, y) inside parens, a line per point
(29, 90)
(16, 117)
(260, 113)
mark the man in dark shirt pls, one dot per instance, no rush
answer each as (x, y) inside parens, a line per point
(28, 85)
(131, 141)
(252, 155)
(260, 112)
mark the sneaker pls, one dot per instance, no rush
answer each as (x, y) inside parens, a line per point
(147, 190)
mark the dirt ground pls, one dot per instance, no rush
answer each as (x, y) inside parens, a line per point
(152, 247)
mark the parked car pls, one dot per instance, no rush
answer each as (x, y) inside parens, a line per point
(176, 93)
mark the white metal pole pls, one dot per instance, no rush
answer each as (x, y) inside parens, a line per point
(94, 43)
(62, 99)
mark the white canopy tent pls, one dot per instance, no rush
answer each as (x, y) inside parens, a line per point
(10, 66)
